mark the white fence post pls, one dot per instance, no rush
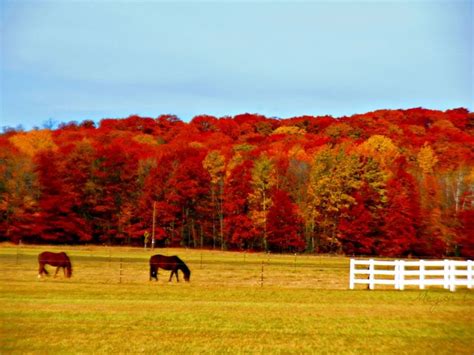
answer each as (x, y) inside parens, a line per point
(401, 275)
(446, 274)
(469, 274)
(452, 276)
(396, 275)
(352, 274)
(371, 274)
(422, 274)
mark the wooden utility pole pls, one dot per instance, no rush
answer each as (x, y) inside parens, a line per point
(153, 230)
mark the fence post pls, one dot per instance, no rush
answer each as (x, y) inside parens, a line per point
(351, 274)
(469, 274)
(397, 274)
(452, 276)
(446, 274)
(120, 278)
(422, 274)
(371, 274)
(261, 275)
(401, 275)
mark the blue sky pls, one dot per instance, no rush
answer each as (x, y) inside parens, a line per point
(76, 60)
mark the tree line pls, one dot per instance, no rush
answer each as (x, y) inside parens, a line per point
(387, 183)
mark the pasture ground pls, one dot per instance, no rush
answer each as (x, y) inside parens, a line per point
(303, 305)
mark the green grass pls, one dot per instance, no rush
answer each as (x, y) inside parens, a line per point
(303, 306)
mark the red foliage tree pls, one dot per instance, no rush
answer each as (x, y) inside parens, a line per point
(60, 219)
(465, 238)
(355, 230)
(401, 216)
(284, 224)
(238, 227)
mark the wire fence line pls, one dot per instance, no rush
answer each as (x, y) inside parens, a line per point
(247, 269)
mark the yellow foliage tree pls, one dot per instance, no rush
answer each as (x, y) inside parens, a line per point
(431, 198)
(381, 149)
(263, 179)
(19, 187)
(334, 177)
(145, 139)
(214, 163)
(32, 142)
(427, 159)
(298, 152)
(289, 130)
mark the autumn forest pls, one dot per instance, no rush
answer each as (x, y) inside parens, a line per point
(385, 183)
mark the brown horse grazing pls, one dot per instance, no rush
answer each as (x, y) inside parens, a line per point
(54, 259)
(172, 263)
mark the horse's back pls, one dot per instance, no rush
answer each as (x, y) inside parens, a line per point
(164, 261)
(50, 257)
(45, 256)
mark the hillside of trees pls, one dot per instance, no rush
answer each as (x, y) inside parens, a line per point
(386, 183)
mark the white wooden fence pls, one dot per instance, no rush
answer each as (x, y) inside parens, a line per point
(400, 273)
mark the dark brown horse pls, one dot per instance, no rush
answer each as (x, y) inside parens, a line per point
(172, 263)
(54, 259)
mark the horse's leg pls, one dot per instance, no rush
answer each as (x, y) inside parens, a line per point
(175, 272)
(153, 272)
(57, 269)
(40, 270)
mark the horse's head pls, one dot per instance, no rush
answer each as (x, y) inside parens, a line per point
(68, 271)
(187, 275)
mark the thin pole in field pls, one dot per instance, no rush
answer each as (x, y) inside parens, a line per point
(153, 231)
(261, 274)
(120, 279)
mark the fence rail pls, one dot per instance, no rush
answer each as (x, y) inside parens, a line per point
(400, 273)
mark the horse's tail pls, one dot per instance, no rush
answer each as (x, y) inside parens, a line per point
(153, 267)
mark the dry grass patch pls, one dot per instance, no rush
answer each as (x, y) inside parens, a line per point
(303, 307)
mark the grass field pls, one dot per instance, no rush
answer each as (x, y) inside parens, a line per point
(297, 304)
